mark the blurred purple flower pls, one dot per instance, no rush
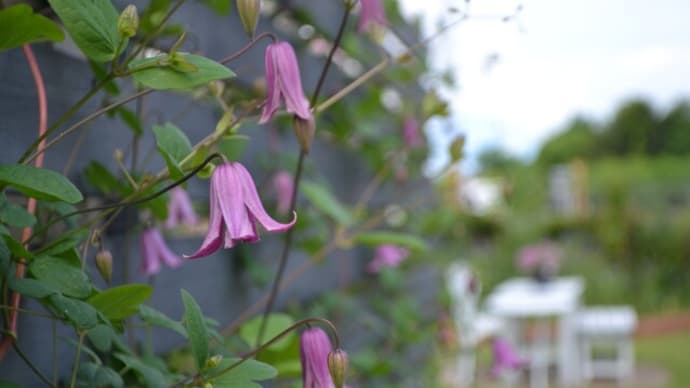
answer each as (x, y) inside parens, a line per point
(505, 357)
(314, 349)
(180, 209)
(284, 184)
(235, 209)
(387, 255)
(371, 12)
(283, 80)
(546, 255)
(411, 134)
(154, 251)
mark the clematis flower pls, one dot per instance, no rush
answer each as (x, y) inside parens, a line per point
(283, 81)
(371, 12)
(505, 357)
(235, 209)
(387, 255)
(284, 184)
(315, 346)
(154, 250)
(411, 135)
(180, 209)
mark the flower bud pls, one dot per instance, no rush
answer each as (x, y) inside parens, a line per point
(337, 366)
(249, 14)
(104, 264)
(304, 130)
(214, 361)
(128, 22)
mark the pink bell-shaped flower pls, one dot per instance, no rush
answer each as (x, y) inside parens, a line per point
(371, 12)
(154, 251)
(505, 357)
(180, 209)
(283, 81)
(235, 210)
(284, 184)
(315, 346)
(411, 134)
(387, 256)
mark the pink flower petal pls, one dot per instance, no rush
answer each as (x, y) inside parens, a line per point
(272, 88)
(213, 239)
(149, 259)
(164, 253)
(253, 203)
(290, 81)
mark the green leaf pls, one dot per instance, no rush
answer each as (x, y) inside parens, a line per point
(402, 239)
(101, 336)
(19, 25)
(325, 201)
(276, 323)
(220, 6)
(131, 120)
(102, 179)
(81, 314)
(196, 328)
(97, 375)
(31, 288)
(152, 377)
(173, 145)
(157, 318)
(16, 248)
(163, 77)
(120, 302)
(92, 25)
(5, 256)
(64, 243)
(57, 274)
(244, 375)
(39, 183)
(16, 215)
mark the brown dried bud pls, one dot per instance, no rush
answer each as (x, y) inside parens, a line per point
(337, 366)
(304, 130)
(249, 11)
(104, 264)
(128, 22)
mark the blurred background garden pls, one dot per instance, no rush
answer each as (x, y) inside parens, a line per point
(497, 192)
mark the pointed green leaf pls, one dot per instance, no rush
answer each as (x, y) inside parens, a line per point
(173, 145)
(16, 215)
(152, 377)
(97, 375)
(196, 328)
(16, 248)
(402, 239)
(120, 302)
(31, 288)
(92, 25)
(164, 77)
(276, 323)
(39, 183)
(81, 314)
(325, 201)
(102, 179)
(157, 318)
(220, 6)
(101, 336)
(56, 274)
(20, 25)
(244, 375)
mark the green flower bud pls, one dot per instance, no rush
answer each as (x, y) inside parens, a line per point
(304, 130)
(128, 22)
(249, 14)
(337, 366)
(214, 361)
(104, 264)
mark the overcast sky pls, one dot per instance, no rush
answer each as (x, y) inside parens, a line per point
(559, 58)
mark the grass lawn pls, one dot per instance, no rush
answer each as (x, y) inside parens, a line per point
(671, 352)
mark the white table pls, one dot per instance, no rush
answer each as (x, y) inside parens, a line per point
(522, 298)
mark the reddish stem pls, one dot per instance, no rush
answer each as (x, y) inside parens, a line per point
(15, 299)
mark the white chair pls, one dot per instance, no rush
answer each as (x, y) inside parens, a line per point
(611, 327)
(472, 326)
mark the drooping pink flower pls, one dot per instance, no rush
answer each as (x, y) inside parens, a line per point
(314, 349)
(154, 251)
(387, 256)
(180, 209)
(283, 81)
(235, 209)
(546, 255)
(505, 357)
(371, 12)
(284, 184)
(411, 134)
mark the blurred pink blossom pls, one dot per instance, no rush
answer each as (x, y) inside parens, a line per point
(180, 209)
(371, 12)
(154, 251)
(544, 255)
(505, 357)
(411, 135)
(284, 184)
(387, 256)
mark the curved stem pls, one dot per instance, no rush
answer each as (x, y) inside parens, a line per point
(31, 365)
(31, 205)
(75, 367)
(249, 45)
(287, 245)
